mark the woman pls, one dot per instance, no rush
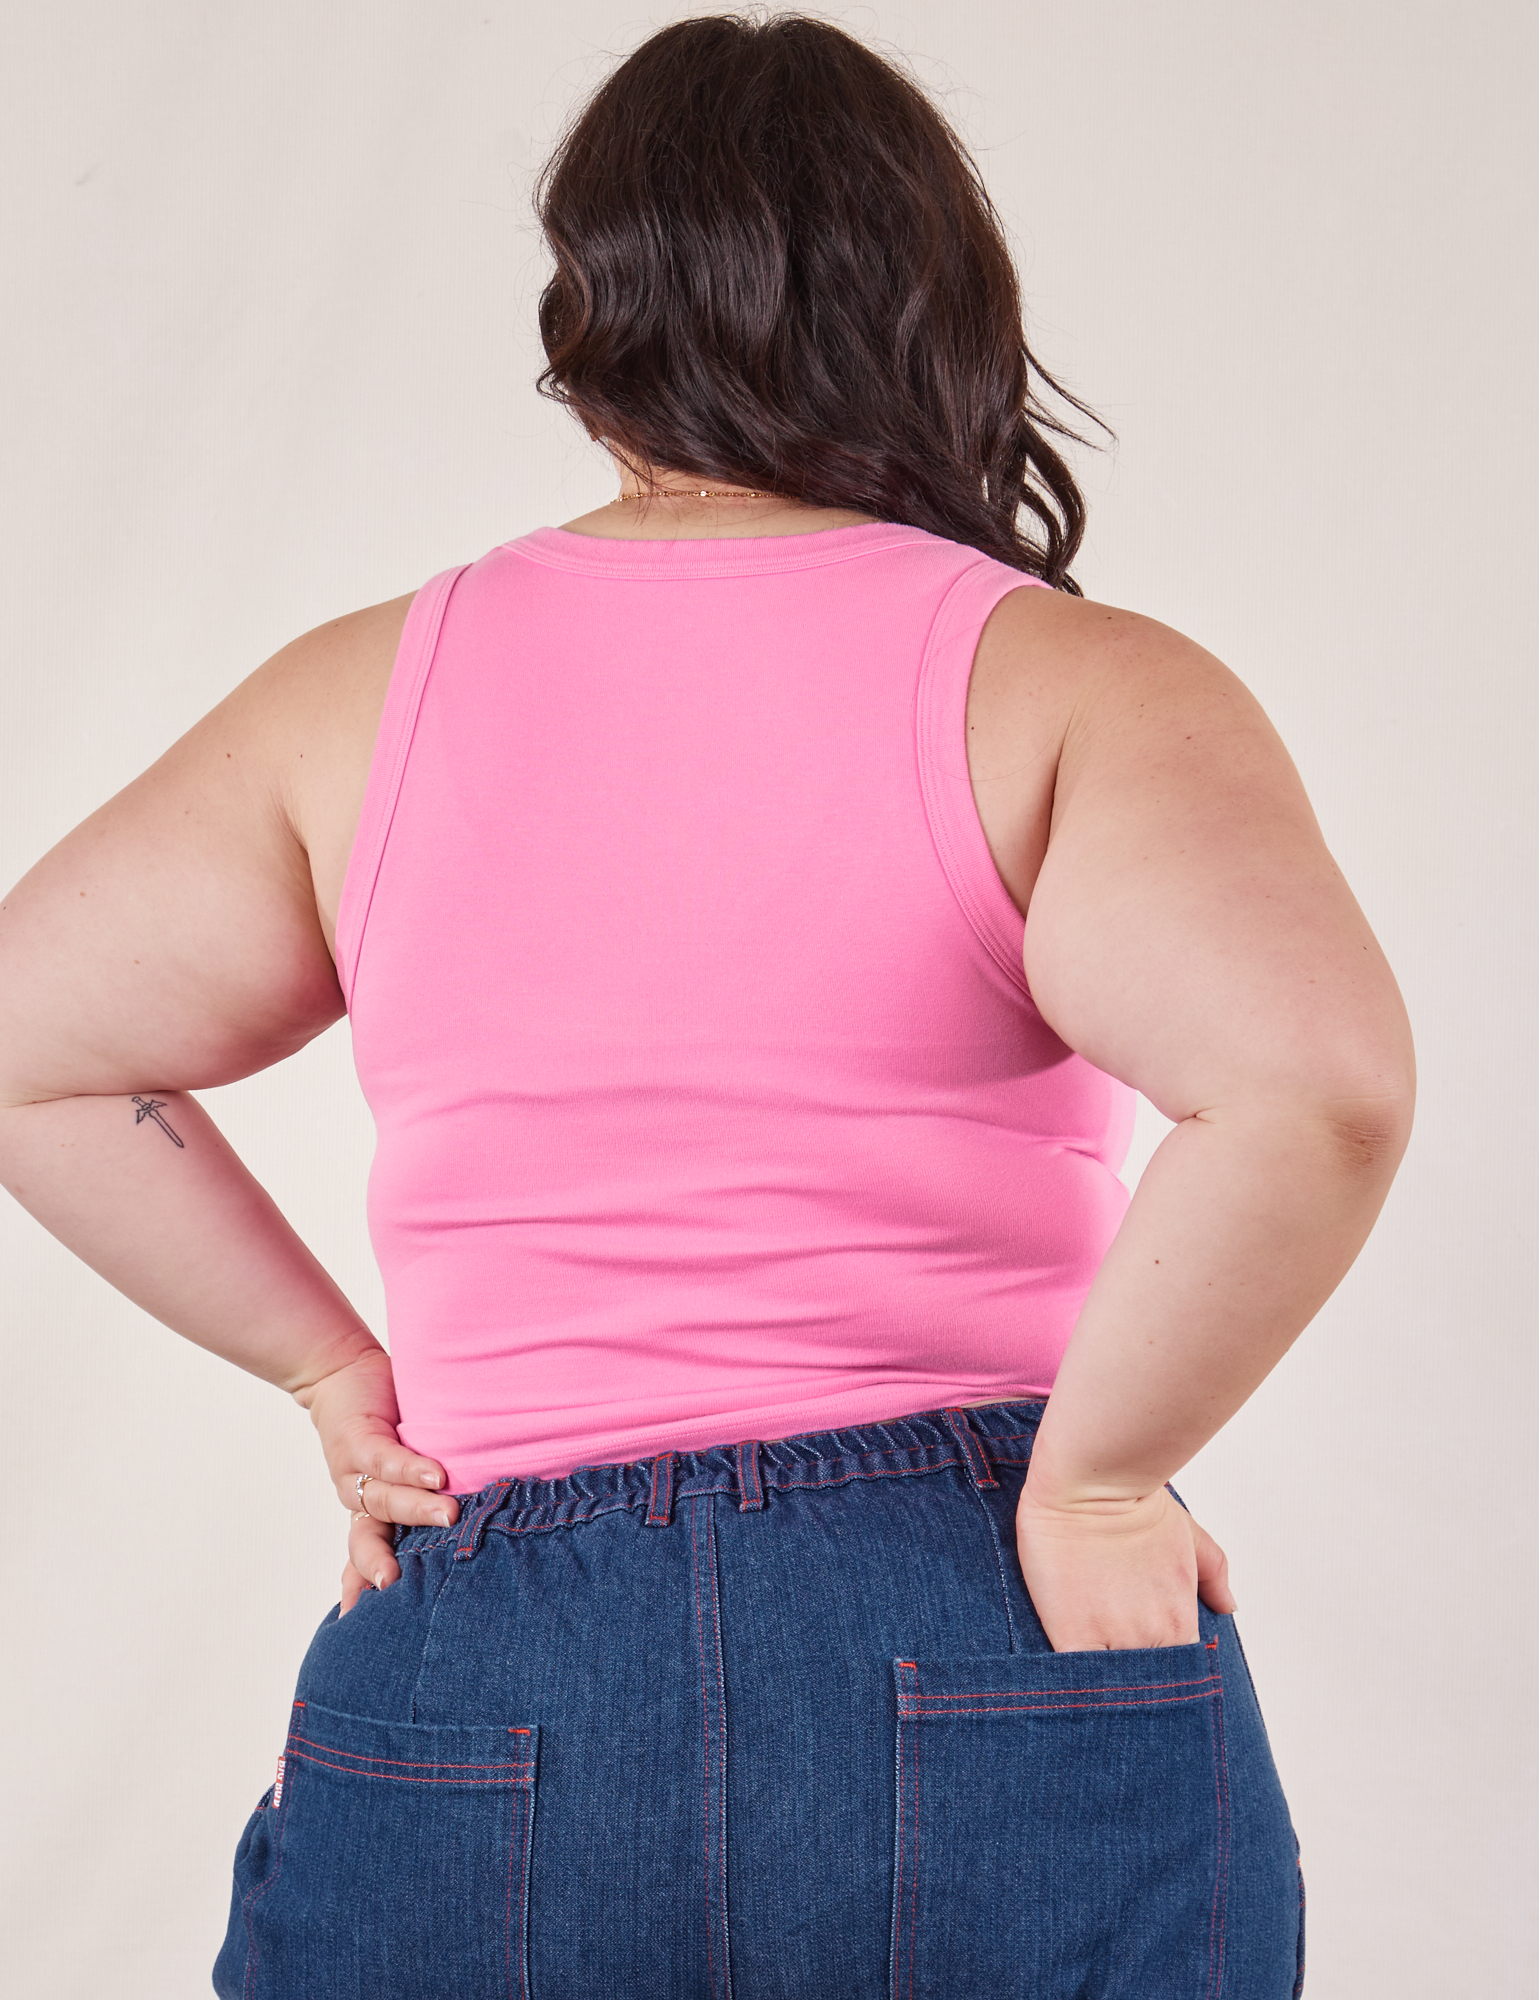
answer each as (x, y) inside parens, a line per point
(756, 902)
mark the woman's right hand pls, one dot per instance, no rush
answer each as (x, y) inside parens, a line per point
(1118, 1573)
(354, 1409)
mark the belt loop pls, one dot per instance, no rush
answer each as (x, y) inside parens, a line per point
(749, 1485)
(473, 1520)
(660, 1508)
(972, 1451)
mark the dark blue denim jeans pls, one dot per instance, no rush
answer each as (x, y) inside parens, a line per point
(774, 1721)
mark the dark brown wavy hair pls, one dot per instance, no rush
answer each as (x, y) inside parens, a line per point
(777, 266)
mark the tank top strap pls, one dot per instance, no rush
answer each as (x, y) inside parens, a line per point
(944, 778)
(414, 656)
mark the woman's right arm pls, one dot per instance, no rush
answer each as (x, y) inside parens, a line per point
(1189, 933)
(170, 943)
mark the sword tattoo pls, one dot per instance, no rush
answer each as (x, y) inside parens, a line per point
(151, 1107)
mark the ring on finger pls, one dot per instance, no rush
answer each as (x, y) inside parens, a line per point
(358, 1485)
(362, 1514)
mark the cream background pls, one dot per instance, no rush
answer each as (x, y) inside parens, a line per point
(268, 357)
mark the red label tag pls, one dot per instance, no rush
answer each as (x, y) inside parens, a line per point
(278, 1786)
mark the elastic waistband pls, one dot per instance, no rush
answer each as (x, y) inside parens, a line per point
(973, 1438)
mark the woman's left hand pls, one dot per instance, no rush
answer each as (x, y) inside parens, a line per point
(1117, 1573)
(354, 1409)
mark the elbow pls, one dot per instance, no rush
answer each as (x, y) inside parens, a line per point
(1361, 1118)
(1368, 1136)
(1354, 1092)
(1372, 1112)
(1347, 1130)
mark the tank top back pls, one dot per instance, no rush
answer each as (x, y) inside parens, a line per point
(710, 1099)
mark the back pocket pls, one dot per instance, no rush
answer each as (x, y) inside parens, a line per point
(396, 1864)
(1062, 1827)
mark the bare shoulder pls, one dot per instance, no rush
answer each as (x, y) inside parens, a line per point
(323, 693)
(1065, 654)
(312, 713)
(1064, 693)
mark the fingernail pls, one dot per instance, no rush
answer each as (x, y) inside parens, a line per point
(379, 1581)
(442, 1517)
(432, 1479)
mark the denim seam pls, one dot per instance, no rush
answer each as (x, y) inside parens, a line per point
(1248, 1674)
(525, 1809)
(259, 1889)
(715, 1809)
(1221, 1868)
(449, 1569)
(507, 1908)
(600, 1508)
(905, 1920)
(999, 1561)
(864, 1472)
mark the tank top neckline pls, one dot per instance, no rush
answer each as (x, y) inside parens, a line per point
(710, 555)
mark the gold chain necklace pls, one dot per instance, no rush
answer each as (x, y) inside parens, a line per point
(695, 493)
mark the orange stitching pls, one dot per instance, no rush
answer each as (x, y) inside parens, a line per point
(976, 1463)
(1051, 1707)
(750, 1486)
(660, 1503)
(395, 1778)
(475, 1770)
(407, 1763)
(1121, 1687)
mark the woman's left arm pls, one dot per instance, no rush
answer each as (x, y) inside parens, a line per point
(1189, 933)
(171, 943)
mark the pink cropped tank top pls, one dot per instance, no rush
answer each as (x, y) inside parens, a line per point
(710, 1099)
